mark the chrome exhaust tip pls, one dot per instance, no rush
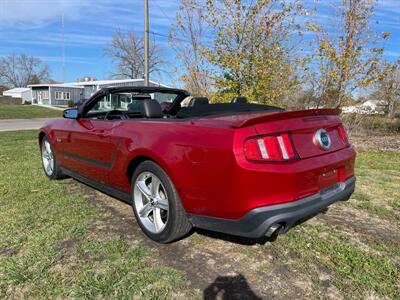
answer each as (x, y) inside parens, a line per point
(274, 230)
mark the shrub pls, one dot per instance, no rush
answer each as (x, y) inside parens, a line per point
(71, 103)
(359, 123)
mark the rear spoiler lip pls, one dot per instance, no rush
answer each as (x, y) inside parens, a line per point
(286, 115)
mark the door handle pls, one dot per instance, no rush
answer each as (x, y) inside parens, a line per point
(107, 133)
(103, 133)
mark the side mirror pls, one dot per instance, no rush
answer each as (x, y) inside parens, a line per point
(71, 113)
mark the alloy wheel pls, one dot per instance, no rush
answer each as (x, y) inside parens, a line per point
(151, 202)
(47, 158)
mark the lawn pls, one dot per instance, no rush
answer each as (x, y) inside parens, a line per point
(358, 263)
(48, 247)
(27, 112)
(60, 239)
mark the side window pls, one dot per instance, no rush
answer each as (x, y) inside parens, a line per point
(103, 105)
(121, 102)
(125, 100)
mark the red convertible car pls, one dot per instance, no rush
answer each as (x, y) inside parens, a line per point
(239, 168)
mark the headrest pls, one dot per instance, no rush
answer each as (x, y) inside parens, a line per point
(198, 101)
(151, 109)
(239, 99)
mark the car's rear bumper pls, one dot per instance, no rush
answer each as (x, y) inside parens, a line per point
(258, 222)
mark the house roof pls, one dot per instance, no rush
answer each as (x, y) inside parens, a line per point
(17, 90)
(104, 82)
(56, 85)
(93, 82)
(110, 82)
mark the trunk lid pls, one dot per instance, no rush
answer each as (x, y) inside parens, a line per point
(307, 145)
(308, 129)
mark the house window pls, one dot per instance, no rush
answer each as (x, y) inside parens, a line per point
(63, 95)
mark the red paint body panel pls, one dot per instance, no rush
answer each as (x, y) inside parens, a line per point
(204, 157)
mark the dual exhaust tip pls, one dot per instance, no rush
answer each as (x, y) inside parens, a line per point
(277, 228)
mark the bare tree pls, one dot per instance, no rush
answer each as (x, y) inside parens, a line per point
(188, 38)
(388, 86)
(127, 51)
(2, 89)
(22, 70)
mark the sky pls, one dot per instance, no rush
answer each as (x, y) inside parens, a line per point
(34, 27)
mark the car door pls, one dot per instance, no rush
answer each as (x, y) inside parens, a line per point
(92, 147)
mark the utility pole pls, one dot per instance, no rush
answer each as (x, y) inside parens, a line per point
(146, 42)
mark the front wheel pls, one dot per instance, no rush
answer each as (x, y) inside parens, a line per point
(156, 204)
(49, 161)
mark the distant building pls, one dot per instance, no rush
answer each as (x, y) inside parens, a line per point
(61, 93)
(23, 93)
(369, 107)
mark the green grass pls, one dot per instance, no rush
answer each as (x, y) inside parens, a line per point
(27, 112)
(353, 270)
(47, 249)
(378, 184)
(50, 246)
(358, 267)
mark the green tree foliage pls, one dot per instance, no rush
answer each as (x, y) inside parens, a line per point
(257, 49)
(347, 56)
(251, 49)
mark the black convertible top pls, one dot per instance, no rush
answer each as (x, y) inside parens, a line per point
(141, 89)
(175, 109)
(224, 108)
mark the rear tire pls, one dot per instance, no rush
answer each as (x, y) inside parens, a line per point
(156, 204)
(50, 164)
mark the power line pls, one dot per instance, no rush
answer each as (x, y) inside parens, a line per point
(162, 11)
(171, 37)
(168, 36)
(172, 22)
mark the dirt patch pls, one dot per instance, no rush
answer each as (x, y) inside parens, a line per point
(377, 229)
(9, 251)
(214, 264)
(237, 268)
(376, 142)
(67, 244)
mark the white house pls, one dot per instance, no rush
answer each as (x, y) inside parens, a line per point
(23, 93)
(61, 93)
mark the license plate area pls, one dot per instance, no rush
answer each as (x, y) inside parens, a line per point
(328, 178)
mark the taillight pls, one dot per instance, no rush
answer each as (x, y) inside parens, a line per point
(343, 134)
(269, 148)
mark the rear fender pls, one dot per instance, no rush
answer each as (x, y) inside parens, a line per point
(152, 156)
